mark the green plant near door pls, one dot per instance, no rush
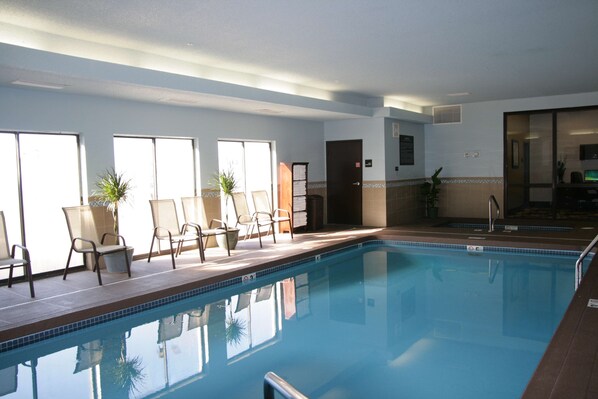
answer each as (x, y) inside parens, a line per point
(430, 192)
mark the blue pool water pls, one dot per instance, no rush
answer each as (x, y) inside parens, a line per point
(379, 321)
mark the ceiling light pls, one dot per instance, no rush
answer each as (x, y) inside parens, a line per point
(41, 85)
(582, 132)
(461, 94)
(184, 101)
(269, 111)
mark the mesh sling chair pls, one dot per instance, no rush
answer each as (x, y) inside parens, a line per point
(195, 215)
(248, 220)
(166, 227)
(8, 259)
(265, 212)
(85, 240)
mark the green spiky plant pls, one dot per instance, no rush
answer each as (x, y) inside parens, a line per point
(430, 193)
(113, 189)
(226, 181)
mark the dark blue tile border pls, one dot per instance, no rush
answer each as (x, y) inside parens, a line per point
(54, 332)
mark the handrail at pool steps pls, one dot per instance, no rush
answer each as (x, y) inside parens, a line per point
(579, 263)
(274, 382)
(491, 222)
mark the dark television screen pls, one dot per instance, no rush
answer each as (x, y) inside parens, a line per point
(590, 176)
(588, 151)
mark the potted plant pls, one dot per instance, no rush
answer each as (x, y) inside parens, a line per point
(561, 166)
(430, 193)
(227, 183)
(113, 189)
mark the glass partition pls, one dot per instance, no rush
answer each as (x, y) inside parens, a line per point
(550, 160)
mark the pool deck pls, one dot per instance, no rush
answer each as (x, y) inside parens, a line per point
(569, 368)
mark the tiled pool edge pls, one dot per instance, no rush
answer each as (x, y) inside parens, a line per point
(238, 280)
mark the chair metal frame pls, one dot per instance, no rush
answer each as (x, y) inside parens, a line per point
(8, 259)
(195, 215)
(250, 220)
(91, 244)
(261, 201)
(173, 233)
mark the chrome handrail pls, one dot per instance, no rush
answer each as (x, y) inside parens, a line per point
(274, 382)
(579, 263)
(491, 222)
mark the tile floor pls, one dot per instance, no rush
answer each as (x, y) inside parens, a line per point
(569, 368)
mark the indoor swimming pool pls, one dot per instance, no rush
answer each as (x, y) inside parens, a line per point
(377, 320)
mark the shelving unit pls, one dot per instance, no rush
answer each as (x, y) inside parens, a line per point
(293, 193)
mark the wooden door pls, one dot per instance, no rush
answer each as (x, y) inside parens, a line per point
(344, 181)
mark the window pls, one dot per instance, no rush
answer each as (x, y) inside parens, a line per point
(545, 163)
(41, 175)
(251, 162)
(159, 168)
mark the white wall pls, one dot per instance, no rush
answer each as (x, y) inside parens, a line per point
(371, 131)
(482, 130)
(97, 119)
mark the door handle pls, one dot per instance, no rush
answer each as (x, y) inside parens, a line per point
(357, 183)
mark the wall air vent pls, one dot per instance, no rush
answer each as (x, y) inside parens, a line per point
(447, 114)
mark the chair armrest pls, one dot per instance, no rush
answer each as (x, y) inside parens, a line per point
(158, 232)
(222, 224)
(191, 226)
(25, 252)
(280, 210)
(117, 236)
(93, 244)
(256, 214)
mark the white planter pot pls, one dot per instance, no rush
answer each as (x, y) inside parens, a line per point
(115, 263)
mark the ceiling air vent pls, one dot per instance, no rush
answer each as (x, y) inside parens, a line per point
(447, 114)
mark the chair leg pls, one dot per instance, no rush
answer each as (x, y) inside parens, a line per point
(68, 262)
(179, 247)
(227, 243)
(97, 266)
(127, 262)
(273, 233)
(149, 257)
(10, 276)
(291, 228)
(30, 278)
(202, 255)
(172, 254)
(259, 235)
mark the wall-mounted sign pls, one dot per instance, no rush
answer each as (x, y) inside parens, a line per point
(406, 150)
(368, 163)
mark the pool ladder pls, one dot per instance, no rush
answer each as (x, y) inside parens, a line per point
(273, 382)
(579, 263)
(492, 199)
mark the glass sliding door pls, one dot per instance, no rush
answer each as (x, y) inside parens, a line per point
(43, 175)
(577, 164)
(550, 157)
(251, 163)
(529, 165)
(159, 168)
